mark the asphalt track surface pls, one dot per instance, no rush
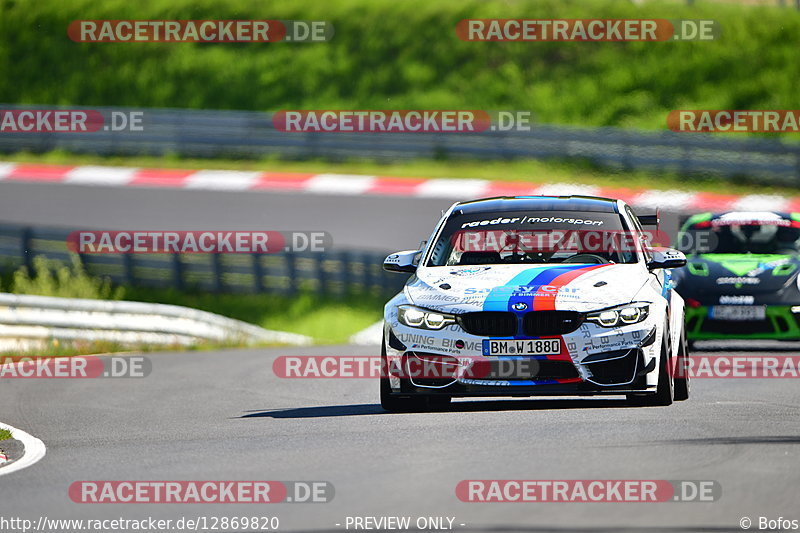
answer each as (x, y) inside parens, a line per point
(224, 415)
(362, 222)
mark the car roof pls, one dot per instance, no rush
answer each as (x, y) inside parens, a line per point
(537, 203)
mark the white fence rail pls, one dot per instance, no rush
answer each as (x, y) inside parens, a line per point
(26, 319)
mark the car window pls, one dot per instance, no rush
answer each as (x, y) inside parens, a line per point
(534, 237)
(640, 230)
(720, 236)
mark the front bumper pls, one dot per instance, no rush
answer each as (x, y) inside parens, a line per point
(780, 323)
(614, 372)
(593, 360)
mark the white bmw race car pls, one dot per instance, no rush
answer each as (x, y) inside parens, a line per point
(528, 296)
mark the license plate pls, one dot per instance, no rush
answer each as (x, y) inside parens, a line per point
(521, 347)
(738, 312)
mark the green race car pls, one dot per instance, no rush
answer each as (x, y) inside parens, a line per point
(741, 279)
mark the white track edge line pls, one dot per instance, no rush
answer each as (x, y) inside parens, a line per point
(34, 450)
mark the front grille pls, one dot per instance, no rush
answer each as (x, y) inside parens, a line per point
(540, 323)
(742, 327)
(489, 323)
(535, 323)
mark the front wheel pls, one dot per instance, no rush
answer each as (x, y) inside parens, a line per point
(665, 392)
(682, 383)
(398, 403)
(394, 403)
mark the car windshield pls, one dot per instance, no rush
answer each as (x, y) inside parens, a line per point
(534, 237)
(721, 236)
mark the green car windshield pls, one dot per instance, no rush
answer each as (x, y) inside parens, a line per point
(741, 236)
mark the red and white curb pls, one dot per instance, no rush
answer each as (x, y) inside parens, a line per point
(357, 185)
(34, 450)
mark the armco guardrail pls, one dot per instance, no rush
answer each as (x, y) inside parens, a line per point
(37, 318)
(193, 133)
(335, 273)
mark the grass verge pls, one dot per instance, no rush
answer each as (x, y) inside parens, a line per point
(406, 55)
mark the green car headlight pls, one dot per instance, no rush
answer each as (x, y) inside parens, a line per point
(620, 316)
(416, 317)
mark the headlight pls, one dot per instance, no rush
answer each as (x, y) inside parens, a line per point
(415, 317)
(620, 316)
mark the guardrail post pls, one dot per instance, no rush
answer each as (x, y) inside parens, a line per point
(344, 259)
(291, 272)
(84, 263)
(686, 159)
(368, 277)
(216, 272)
(258, 273)
(26, 252)
(127, 268)
(322, 276)
(797, 163)
(177, 271)
(626, 154)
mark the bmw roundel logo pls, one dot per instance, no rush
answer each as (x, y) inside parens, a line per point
(520, 306)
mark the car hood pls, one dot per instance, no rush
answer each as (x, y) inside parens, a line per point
(575, 287)
(737, 274)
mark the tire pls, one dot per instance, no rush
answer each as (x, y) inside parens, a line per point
(398, 403)
(395, 403)
(440, 401)
(665, 392)
(683, 384)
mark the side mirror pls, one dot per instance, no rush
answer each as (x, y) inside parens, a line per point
(405, 261)
(666, 258)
